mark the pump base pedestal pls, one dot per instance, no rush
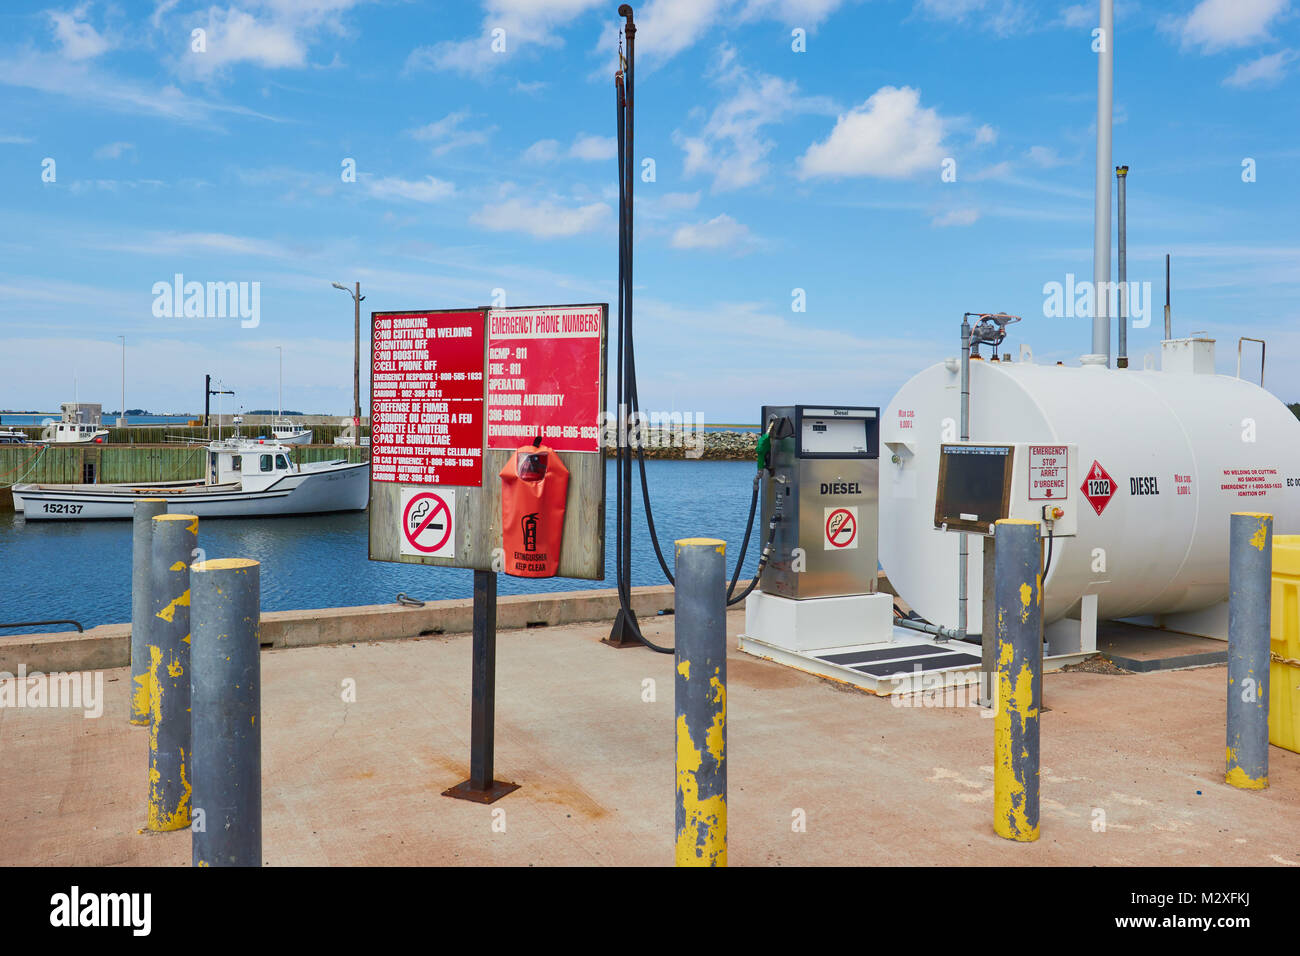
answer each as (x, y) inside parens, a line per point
(815, 623)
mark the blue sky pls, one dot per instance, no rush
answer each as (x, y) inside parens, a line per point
(775, 170)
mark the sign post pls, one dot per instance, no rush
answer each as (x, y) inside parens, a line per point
(454, 393)
(481, 787)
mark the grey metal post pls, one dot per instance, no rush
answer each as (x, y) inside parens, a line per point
(1169, 319)
(1101, 212)
(700, 695)
(989, 626)
(481, 787)
(1250, 594)
(1121, 174)
(963, 543)
(1018, 592)
(146, 509)
(226, 702)
(175, 536)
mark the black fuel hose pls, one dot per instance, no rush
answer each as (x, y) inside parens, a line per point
(628, 397)
(762, 563)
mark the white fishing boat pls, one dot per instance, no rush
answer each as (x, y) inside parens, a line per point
(245, 478)
(73, 433)
(287, 433)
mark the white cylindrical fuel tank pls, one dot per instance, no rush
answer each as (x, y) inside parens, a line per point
(1186, 449)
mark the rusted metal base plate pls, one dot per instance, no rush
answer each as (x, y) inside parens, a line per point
(621, 635)
(621, 643)
(466, 791)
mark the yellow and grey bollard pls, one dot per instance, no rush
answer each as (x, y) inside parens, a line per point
(175, 537)
(1017, 590)
(226, 697)
(700, 631)
(146, 509)
(1250, 595)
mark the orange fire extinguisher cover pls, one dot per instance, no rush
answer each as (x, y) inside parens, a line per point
(534, 488)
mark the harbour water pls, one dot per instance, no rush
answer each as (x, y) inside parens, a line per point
(82, 570)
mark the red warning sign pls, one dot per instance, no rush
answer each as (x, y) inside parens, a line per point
(1098, 487)
(427, 402)
(427, 523)
(841, 527)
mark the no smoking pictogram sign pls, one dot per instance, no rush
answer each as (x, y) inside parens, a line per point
(428, 518)
(841, 528)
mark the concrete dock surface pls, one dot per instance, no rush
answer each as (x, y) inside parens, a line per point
(1132, 767)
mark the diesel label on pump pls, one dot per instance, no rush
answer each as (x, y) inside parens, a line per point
(841, 488)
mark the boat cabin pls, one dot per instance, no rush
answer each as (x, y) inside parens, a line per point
(248, 463)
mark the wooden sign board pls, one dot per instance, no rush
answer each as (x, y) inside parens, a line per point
(453, 393)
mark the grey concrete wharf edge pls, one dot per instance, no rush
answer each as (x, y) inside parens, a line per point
(1132, 766)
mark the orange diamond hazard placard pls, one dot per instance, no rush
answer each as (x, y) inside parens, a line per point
(1098, 487)
(841, 528)
(428, 519)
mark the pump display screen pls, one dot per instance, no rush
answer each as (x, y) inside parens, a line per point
(974, 486)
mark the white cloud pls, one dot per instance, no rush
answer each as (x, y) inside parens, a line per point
(890, 136)
(525, 24)
(427, 189)
(542, 219)
(272, 34)
(805, 13)
(1268, 70)
(113, 150)
(986, 135)
(720, 232)
(11, 140)
(731, 146)
(80, 82)
(1003, 17)
(448, 133)
(1222, 24)
(956, 217)
(1044, 156)
(1079, 15)
(587, 146)
(234, 36)
(997, 171)
(543, 151)
(666, 27)
(77, 39)
(163, 8)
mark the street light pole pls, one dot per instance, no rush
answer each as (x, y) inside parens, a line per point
(121, 418)
(357, 299)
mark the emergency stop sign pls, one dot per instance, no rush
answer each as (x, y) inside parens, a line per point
(1098, 487)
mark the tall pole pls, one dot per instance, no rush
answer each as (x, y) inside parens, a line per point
(1169, 323)
(1101, 215)
(1121, 359)
(121, 418)
(279, 402)
(356, 361)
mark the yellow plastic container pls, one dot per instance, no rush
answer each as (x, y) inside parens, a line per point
(1284, 678)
